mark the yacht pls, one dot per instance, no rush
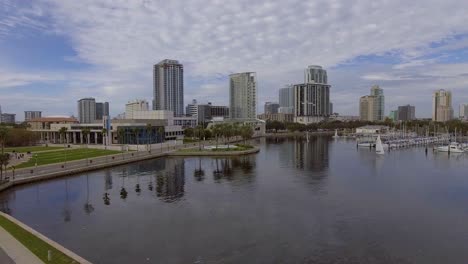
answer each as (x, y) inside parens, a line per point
(454, 147)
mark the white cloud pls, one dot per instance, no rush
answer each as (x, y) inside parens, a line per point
(123, 39)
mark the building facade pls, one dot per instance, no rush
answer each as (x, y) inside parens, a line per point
(406, 113)
(372, 107)
(192, 108)
(463, 112)
(87, 110)
(393, 115)
(8, 118)
(281, 117)
(243, 95)
(102, 109)
(168, 87)
(286, 100)
(315, 74)
(271, 108)
(28, 115)
(442, 110)
(135, 105)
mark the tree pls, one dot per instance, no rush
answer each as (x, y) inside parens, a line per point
(149, 130)
(86, 131)
(4, 160)
(200, 132)
(217, 131)
(135, 133)
(246, 132)
(188, 132)
(4, 157)
(161, 134)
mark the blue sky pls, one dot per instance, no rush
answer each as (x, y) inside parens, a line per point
(54, 52)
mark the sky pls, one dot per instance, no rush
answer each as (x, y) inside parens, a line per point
(54, 52)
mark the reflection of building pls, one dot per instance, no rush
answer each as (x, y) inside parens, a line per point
(312, 156)
(170, 182)
(442, 110)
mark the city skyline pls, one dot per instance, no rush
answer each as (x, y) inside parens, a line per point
(51, 54)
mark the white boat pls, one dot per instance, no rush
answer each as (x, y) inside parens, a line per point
(366, 144)
(454, 147)
(336, 134)
(379, 149)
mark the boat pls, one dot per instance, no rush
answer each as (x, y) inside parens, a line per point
(379, 149)
(454, 147)
(336, 134)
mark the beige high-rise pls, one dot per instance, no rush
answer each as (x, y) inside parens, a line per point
(442, 110)
(372, 107)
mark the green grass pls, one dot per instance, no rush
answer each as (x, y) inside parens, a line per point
(31, 149)
(37, 246)
(50, 157)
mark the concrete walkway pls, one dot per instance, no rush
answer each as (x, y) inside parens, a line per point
(15, 251)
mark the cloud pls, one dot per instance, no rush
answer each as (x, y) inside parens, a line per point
(121, 40)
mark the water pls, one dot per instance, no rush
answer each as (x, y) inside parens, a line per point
(295, 202)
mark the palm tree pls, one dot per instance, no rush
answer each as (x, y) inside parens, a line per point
(217, 132)
(85, 131)
(149, 129)
(104, 137)
(246, 132)
(120, 139)
(200, 133)
(63, 134)
(135, 133)
(161, 133)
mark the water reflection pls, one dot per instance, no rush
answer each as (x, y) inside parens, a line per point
(239, 169)
(170, 182)
(199, 173)
(312, 155)
(88, 207)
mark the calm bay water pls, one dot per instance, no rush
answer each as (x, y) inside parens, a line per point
(294, 202)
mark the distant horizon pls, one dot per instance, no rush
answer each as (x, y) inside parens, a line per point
(53, 52)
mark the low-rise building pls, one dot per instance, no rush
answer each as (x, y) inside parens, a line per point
(8, 118)
(372, 129)
(281, 117)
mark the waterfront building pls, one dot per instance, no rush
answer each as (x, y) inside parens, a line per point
(243, 95)
(168, 87)
(8, 118)
(102, 109)
(135, 105)
(372, 107)
(372, 129)
(281, 117)
(442, 110)
(406, 113)
(271, 108)
(393, 115)
(28, 115)
(312, 98)
(463, 112)
(87, 110)
(286, 100)
(206, 112)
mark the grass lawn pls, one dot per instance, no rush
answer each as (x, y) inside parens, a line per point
(58, 156)
(31, 149)
(37, 246)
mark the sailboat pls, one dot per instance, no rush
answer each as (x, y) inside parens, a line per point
(379, 149)
(336, 134)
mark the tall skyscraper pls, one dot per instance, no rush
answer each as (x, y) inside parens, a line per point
(463, 112)
(442, 110)
(87, 110)
(406, 112)
(286, 100)
(243, 95)
(372, 107)
(168, 92)
(102, 109)
(312, 99)
(28, 115)
(271, 108)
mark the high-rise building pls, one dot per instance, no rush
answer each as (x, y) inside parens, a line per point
(8, 118)
(102, 109)
(135, 105)
(87, 110)
(312, 98)
(372, 107)
(393, 115)
(243, 95)
(406, 112)
(463, 112)
(271, 108)
(442, 110)
(219, 111)
(192, 109)
(28, 115)
(286, 100)
(168, 90)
